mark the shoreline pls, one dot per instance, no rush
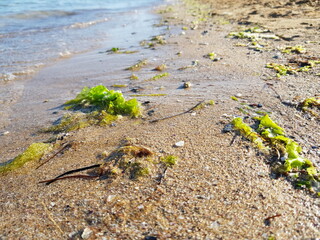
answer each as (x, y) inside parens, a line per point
(221, 187)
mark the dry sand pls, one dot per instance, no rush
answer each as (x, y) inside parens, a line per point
(216, 190)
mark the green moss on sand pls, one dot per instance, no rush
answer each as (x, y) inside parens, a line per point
(33, 153)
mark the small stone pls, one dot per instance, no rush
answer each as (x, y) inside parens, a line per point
(227, 128)
(259, 105)
(87, 232)
(187, 85)
(150, 238)
(179, 144)
(193, 114)
(73, 234)
(215, 224)
(140, 207)
(238, 95)
(5, 133)
(110, 198)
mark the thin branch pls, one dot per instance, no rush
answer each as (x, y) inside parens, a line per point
(63, 148)
(176, 115)
(70, 172)
(47, 182)
(51, 218)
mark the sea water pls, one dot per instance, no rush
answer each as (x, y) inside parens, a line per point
(36, 32)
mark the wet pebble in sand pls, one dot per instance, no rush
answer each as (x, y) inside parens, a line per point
(87, 232)
(187, 85)
(4, 133)
(179, 144)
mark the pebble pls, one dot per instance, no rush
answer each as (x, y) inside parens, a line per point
(5, 133)
(110, 198)
(179, 144)
(238, 95)
(193, 114)
(227, 128)
(187, 85)
(215, 224)
(87, 232)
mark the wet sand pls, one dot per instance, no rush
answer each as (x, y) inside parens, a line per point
(217, 190)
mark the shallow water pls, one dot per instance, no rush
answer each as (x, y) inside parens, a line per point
(34, 33)
(30, 102)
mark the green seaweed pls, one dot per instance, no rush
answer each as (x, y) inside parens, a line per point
(157, 77)
(169, 160)
(293, 49)
(234, 98)
(33, 153)
(119, 85)
(271, 136)
(75, 121)
(101, 98)
(249, 133)
(155, 40)
(253, 33)
(131, 160)
(211, 55)
(137, 66)
(285, 69)
(309, 104)
(118, 51)
(134, 77)
(282, 70)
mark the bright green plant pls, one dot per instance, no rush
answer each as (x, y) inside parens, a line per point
(101, 98)
(271, 137)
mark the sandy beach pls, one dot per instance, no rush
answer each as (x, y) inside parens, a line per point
(222, 186)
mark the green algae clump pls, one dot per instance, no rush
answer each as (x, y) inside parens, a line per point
(169, 160)
(33, 153)
(101, 98)
(157, 77)
(131, 160)
(248, 132)
(290, 162)
(135, 162)
(137, 66)
(75, 121)
(293, 49)
(282, 70)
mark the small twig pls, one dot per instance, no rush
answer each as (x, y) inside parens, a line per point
(267, 220)
(233, 139)
(162, 176)
(70, 172)
(51, 218)
(63, 148)
(272, 88)
(47, 182)
(176, 115)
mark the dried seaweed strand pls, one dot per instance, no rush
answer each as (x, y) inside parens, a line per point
(51, 218)
(67, 145)
(73, 176)
(70, 172)
(176, 115)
